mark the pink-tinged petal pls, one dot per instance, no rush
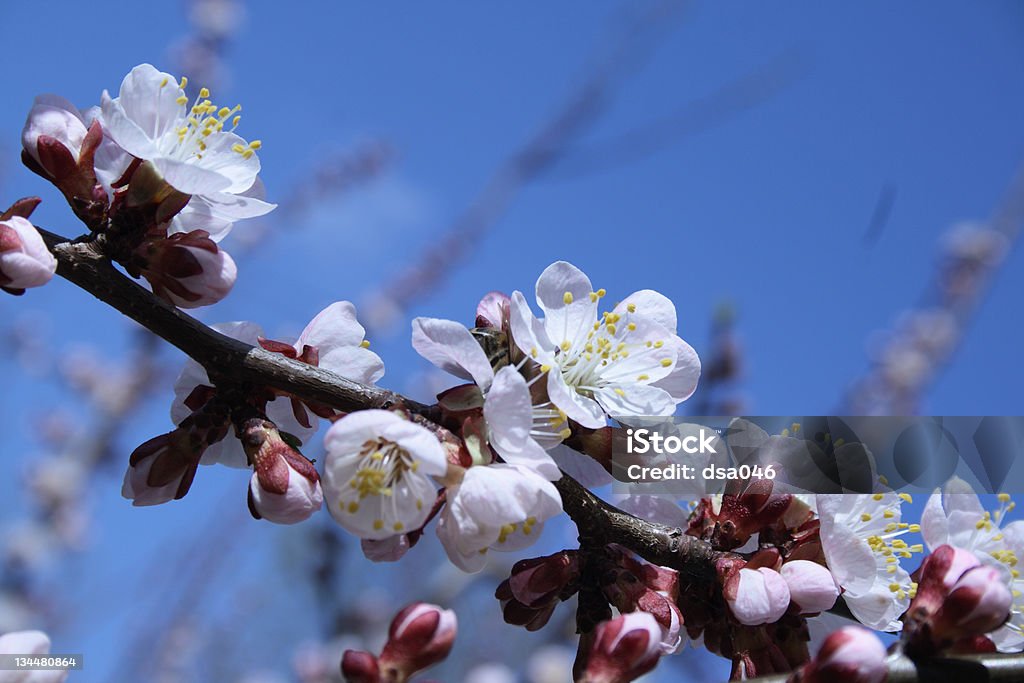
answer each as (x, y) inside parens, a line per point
(492, 309)
(580, 467)
(150, 98)
(878, 608)
(682, 381)
(419, 443)
(934, 523)
(355, 363)
(811, 586)
(197, 215)
(237, 206)
(451, 536)
(301, 499)
(509, 412)
(564, 294)
(635, 399)
(335, 326)
(959, 496)
(452, 348)
(583, 410)
(220, 156)
(57, 118)
(129, 136)
(648, 303)
(189, 177)
(558, 279)
(528, 332)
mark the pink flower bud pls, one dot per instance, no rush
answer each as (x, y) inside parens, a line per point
(757, 596)
(492, 311)
(188, 269)
(420, 636)
(811, 586)
(161, 469)
(24, 259)
(538, 581)
(850, 655)
(629, 592)
(285, 487)
(55, 118)
(978, 602)
(622, 649)
(957, 599)
(358, 666)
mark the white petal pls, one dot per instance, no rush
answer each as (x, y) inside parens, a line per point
(150, 99)
(563, 293)
(583, 410)
(190, 177)
(682, 381)
(934, 523)
(452, 348)
(528, 332)
(580, 467)
(220, 156)
(197, 215)
(450, 534)
(558, 279)
(650, 304)
(509, 414)
(237, 206)
(635, 399)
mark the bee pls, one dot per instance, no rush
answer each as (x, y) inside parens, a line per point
(494, 342)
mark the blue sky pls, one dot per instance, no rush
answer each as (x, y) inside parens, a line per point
(766, 210)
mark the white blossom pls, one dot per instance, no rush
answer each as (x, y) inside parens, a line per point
(627, 362)
(495, 507)
(377, 473)
(860, 535)
(193, 147)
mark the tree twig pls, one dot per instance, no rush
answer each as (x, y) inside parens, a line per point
(82, 263)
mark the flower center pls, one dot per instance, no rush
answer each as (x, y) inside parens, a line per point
(884, 538)
(588, 363)
(383, 466)
(203, 120)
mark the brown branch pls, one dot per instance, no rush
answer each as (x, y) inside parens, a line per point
(601, 523)
(229, 360)
(83, 264)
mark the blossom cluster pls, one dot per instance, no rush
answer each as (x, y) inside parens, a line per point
(159, 178)
(162, 176)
